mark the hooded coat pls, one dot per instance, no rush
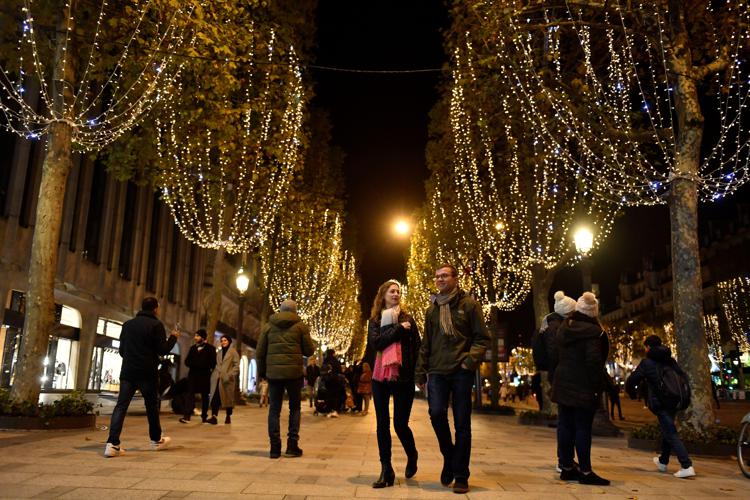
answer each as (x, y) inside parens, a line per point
(648, 372)
(582, 350)
(224, 377)
(283, 342)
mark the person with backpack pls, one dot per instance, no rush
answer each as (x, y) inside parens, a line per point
(668, 393)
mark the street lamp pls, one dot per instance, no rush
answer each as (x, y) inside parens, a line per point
(402, 227)
(584, 241)
(242, 282)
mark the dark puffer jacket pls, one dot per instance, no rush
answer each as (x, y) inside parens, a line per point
(648, 372)
(550, 325)
(142, 340)
(283, 342)
(582, 349)
(381, 337)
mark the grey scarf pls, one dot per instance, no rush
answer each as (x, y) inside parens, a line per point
(446, 322)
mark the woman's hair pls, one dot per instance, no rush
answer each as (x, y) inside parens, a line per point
(379, 303)
(228, 338)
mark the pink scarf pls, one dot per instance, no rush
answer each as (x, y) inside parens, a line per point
(388, 361)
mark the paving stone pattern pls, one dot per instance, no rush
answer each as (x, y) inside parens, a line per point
(340, 461)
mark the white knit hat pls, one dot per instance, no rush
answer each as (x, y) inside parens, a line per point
(588, 305)
(564, 305)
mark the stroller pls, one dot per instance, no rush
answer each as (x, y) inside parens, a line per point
(326, 392)
(320, 397)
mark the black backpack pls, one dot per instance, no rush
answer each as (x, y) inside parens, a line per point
(674, 388)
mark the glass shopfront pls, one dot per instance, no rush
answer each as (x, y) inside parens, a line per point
(105, 360)
(61, 361)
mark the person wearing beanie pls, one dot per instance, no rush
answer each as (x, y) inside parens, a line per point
(544, 345)
(582, 349)
(201, 360)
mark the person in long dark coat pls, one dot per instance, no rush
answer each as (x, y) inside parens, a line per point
(577, 387)
(201, 360)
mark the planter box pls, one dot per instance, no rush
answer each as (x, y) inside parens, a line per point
(708, 449)
(539, 419)
(77, 422)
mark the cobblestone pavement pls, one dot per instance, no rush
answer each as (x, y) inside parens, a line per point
(340, 460)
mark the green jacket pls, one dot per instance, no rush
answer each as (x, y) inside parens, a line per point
(282, 343)
(442, 354)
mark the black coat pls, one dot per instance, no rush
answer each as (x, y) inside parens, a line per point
(142, 340)
(312, 372)
(549, 335)
(380, 338)
(647, 375)
(582, 349)
(201, 362)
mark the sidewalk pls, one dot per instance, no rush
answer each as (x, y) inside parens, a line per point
(340, 461)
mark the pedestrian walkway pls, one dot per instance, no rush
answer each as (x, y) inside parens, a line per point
(340, 461)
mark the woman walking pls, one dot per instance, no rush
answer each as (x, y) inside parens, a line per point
(394, 335)
(364, 387)
(578, 386)
(224, 380)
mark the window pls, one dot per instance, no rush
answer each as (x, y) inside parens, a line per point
(128, 223)
(91, 247)
(153, 246)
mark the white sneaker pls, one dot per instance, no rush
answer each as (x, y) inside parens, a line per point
(662, 467)
(161, 444)
(685, 473)
(334, 414)
(111, 450)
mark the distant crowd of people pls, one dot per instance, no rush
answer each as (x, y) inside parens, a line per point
(572, 348)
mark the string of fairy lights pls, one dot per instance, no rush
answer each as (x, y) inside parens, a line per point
(224, 192)
(734, 295)
(617, 125)
(103, 108)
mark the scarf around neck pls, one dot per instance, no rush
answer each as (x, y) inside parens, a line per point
(446, 322)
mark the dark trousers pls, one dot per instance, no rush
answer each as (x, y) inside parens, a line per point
(190, 404)
(276, 390)
(574, 435)
(150, 394)
(614, 400)
(216, 403)
(457, 388)
(403, 398)
(670, 440)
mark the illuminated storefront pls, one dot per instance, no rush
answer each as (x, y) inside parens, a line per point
(105, 360)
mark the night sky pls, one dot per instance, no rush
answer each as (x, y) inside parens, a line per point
(380, 122)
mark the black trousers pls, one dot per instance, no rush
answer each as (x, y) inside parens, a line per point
(150, 394)
(403, 398)
(216, 403)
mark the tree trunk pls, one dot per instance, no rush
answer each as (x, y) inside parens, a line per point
(692, 349)
(58, 162)
(213, 309)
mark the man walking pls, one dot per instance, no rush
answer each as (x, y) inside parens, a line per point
(312, 372)
(142, 341)
(663, 377)
(281, 346)
(201, 360)
(455, 340)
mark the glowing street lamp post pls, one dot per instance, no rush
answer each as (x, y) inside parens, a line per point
(584, 242)
(242, 282)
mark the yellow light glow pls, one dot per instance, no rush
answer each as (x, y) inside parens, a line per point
(402, 227)
(584, 240)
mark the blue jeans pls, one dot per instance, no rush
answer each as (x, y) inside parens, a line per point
(670, 440)
(150, 394)
(276, 389)
(457, 388)
(574, 433)
(403, 399)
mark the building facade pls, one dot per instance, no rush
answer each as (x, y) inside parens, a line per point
(118, 244)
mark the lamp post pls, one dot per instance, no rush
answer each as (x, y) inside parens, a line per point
(242, 282)
(584, 242)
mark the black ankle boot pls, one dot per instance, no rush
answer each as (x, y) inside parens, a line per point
(387, 476)
(292, 449)
(446, 475)
(411, 465)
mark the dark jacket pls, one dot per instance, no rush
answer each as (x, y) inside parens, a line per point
(550, 325)
(283, 342)
(380, 338)
(445, 354)
(582, 352)
(334, 363)
(201, 362)
(312, 372)
(647, 373)
(142, 340)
